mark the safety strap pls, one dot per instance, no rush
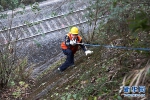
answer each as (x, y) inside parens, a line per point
(118, 47)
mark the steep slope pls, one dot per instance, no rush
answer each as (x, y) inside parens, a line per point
(95, 77)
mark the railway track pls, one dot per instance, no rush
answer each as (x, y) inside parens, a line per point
(44, 26)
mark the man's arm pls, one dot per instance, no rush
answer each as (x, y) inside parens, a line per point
(67, 41)
(83, 46)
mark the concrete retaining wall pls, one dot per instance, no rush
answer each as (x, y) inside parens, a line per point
(49, 33)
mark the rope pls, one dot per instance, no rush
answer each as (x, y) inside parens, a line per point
(118, 47)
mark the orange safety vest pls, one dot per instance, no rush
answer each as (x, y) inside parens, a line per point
(73, 48)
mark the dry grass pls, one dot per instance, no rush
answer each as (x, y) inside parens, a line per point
(138, 77)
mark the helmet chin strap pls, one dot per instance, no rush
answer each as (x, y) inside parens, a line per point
(74, 39)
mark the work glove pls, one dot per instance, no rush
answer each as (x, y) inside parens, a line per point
(88, 52)
(72, 42)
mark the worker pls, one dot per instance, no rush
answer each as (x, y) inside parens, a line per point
(70, 46)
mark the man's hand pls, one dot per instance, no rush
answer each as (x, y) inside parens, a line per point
(72, 42)
(88, 52)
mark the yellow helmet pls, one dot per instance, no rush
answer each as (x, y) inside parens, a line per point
(74, 30)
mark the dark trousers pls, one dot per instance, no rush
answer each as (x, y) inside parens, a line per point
(69, 60)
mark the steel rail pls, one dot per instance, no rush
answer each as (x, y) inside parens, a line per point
(73, 12)
(45, 19)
